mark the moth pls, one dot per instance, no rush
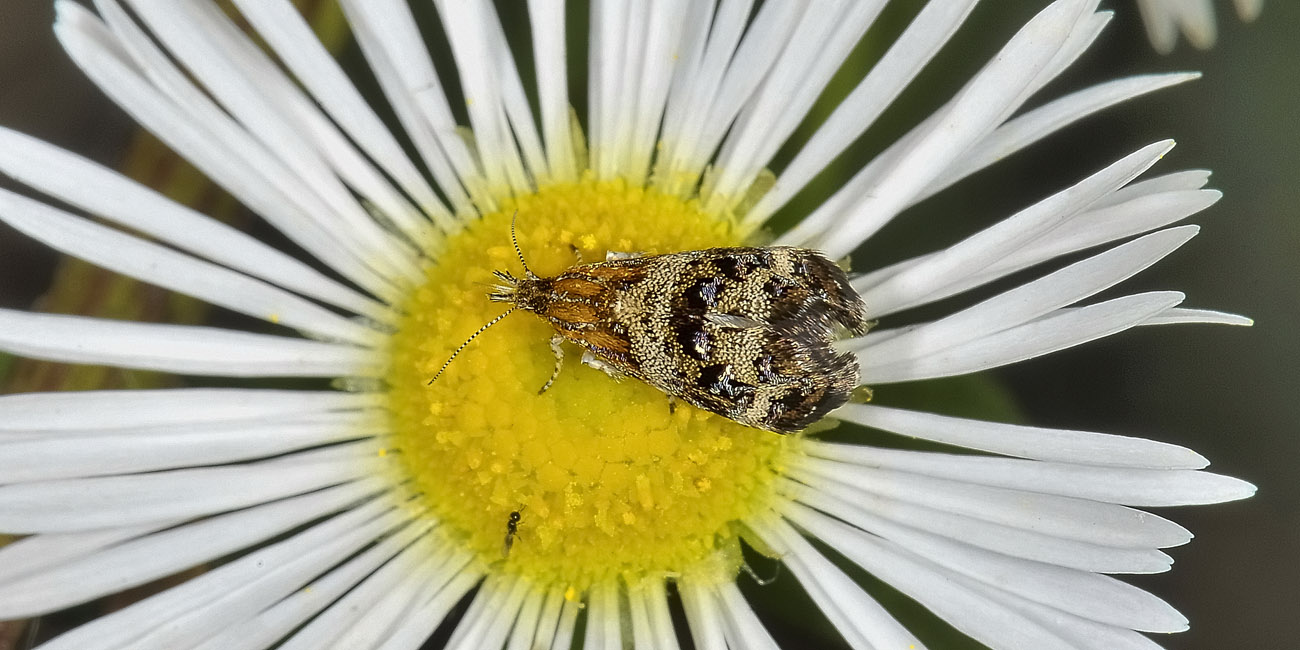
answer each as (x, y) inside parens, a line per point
(742, 332)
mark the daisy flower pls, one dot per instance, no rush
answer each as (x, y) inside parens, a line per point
(1194, 18)
(358, 509)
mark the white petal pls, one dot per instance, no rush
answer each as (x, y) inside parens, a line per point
(166, 268)
(1083, 593)
(564, 630)
(965, 609)
(724, 94)
(389, 592)
(89, 503)
(106, 193)
(708, 44)
(514, 100)
(345, 613)
(1085, 521)
(650, 54)
(858, 618)
(546, 18)
(491, 605)
(524, 631)
(71, 456)
(744, 629)
(391, 42)
(821, 42)
(1018, 133)
(702, 616)
(417, 628)
(215, 145)
(1127, 486)
(909, 53)
(706, 26)
(485, 605)
(866, 507)
(76, 412)
(1083, 633)
(215, 584)
(1064, 445)
(1135, 209)
(273, 583)
(38, 553)
(987, 100)
(1032, 300)
(240, 76)
(181, 349)
(1178, 315)
(153, 556)
(479, 62)
(291, 37)
(297, 174)
(1188, 179)
(549, 620)
(1063, 329)
(652, 625)
(1105, 222)
(992, 244)
(634, 17)
(643, 635)
(1093, 227)
(1086, 30)
(276, 622)
(604, 618)
(606, 37)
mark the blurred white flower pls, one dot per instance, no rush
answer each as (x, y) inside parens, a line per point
(1194, 18)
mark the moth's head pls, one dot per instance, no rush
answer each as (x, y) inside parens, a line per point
(506, 290)
(524, 293)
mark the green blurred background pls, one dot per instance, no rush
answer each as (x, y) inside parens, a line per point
(1230, 393)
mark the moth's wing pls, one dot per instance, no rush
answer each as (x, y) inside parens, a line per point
(772, 378)
(746, 333)
(789, 288)
(807, 287)
(815, 380)
(751, 333)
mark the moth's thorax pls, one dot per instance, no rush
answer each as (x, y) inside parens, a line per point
(571, 298)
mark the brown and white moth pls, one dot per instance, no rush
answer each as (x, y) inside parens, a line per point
(742, 332)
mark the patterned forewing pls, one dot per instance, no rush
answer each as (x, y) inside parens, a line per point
(743, 332)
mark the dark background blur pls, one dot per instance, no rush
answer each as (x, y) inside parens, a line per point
(1230, 393)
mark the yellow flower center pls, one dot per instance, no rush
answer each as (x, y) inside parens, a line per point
(597, 478)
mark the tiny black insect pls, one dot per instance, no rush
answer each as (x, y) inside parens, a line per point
(512, 529)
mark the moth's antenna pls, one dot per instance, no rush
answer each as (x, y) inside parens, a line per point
(515, 241)
(473, 336)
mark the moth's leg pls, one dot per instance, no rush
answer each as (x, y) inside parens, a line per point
(577, 253)
(599, 364)
(556, 340)
(611, 256)
(762, 582)
(672, 404)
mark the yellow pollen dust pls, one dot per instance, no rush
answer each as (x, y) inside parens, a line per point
(607, 479)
